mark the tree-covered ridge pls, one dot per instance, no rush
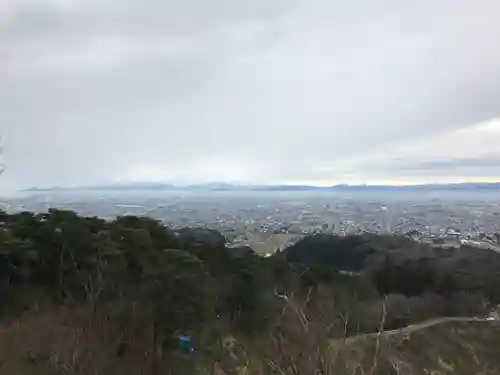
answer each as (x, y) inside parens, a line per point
(398, 265)
(90, 259)
(342, 253)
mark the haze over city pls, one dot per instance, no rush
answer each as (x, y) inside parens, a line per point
(318, 92)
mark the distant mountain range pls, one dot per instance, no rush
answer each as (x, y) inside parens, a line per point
(466, 186)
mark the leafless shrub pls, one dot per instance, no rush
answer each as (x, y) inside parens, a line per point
(301, 343)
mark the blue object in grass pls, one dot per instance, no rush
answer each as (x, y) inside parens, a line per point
(185, 338)
(186, 343)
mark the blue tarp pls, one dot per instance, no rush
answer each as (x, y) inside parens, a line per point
(186, 344)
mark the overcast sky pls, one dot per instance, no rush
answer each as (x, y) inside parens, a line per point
(268, 91)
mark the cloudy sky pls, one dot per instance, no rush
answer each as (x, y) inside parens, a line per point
(269, 91)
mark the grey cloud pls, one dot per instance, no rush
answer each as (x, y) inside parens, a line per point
(290, 90)
(447, 165)
(432, 165)
(435, 169)
(134, 18)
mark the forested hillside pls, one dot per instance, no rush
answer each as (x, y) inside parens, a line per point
(84, 295)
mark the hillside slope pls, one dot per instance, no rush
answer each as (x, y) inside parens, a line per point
(452, 347)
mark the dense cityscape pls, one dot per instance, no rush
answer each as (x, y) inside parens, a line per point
(268, 221)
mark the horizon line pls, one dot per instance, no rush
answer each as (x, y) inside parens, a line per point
(97, 186)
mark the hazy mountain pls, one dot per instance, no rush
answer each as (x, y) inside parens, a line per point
(145, 186)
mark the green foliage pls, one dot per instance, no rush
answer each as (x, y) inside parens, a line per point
(178, 280)
(177, 291)
(411, 277)
(247, 301)
(341, 253)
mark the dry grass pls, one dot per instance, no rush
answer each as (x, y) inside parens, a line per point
(459, 348)
(69, 341)
(449, 348)
(77, 342)
(61, 341)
